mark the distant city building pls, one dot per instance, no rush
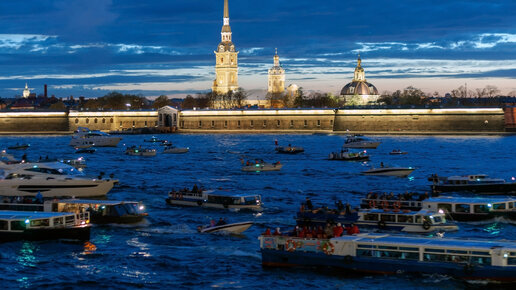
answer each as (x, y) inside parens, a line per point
(26, 91)
(292, 91)
(276, 77)
(226, 59)
(359, 91)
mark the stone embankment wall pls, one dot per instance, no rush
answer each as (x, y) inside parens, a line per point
(31, 122)
(256, 120)
(510, 119)
(421, 120)
(113, 120)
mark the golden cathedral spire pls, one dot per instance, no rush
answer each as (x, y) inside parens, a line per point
(226, 59)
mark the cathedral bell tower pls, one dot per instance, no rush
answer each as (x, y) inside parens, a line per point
(276, 77)
(226, 59)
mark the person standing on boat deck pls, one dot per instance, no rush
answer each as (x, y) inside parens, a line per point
(212, 223)
(381, 164)
(267, 232)
(195, 188)
(277, 232)
(340, 205)
(309, 204)
(39, 197)
(338, 230)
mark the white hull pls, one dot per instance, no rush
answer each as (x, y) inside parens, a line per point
(399, 172)
(235, 228)
(262, 167)
(362, 145)
(176, 150)
(56, 187)
(97, 142)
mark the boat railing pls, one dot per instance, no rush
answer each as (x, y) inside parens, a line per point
(22, 206)
(81, 218)
(391, 203)
(291, 244)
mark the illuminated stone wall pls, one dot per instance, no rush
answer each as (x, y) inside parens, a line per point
(113, 120)
(256, 120)
(33, 122)
(421, 120)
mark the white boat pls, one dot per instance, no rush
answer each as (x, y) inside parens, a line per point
(171, 149)
(133, 151)
(423, 221)
(51, 179)
(85, 137)
(235, 228)
(358, 142)
(259, 166)
(390, 171)
(77, 163)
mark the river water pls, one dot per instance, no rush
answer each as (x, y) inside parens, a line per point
(166, 250)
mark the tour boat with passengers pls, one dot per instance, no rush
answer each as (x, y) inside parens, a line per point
(84, 136)
(289, 149)
(390, 171)
(360, 143)
(100, 211)
(214, 199)
(464, 209)
(422, 221)
(349, 156)
(487, 260)
(260, 165)
(51, 179)
(171, 149)
(477, 183)
(36, 226)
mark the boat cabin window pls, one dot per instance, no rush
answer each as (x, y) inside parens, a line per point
(418, 219)
(388, 252)
(70, 219)
(511, 260)
(250, 200)
(480, 208)
(17, 225)
(58, 221)
(462, 208)
(371, 217)
(446, 207)
(388, 218)
(498, 206)
(511, 205)
(40, 223)
(45, 170)
(438, 219)
(4, 225)
(405, 218)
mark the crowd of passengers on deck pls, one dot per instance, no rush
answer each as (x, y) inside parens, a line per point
(342, 209)
(316, 232)
(178, 194)
(407, 196)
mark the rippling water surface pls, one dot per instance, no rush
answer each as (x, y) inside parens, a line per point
(166, 250)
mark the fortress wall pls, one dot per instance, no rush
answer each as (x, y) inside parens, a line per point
(113, 120)
(422, 120)
(256, 120)
(33, 121)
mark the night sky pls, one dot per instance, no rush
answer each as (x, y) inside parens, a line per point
(157, 47)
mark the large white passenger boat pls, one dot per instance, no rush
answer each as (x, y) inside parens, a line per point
(388, 254)
(213, 199)
(51, 179)
(86, 137)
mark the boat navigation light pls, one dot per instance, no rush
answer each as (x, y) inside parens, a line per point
(513, 178)
(103, 207)
(505, 255)
(489, 205)
(142, 207)
(441, 211)
(27, 221)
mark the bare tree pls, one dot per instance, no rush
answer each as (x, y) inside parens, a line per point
(491, 91)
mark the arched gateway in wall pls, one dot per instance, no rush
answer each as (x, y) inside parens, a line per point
(168, 119)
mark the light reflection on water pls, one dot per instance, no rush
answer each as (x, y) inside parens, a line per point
(166, 251)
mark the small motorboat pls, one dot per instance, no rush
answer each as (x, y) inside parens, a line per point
(134, 151)
(397, 152)
(153, 139)
(235, 228)
(349, 156)
(389, 171)
(85, 150)
(77, 163)
(171, 149)
(19, 147)
(260, 165)
(289, 149)
(359, 142)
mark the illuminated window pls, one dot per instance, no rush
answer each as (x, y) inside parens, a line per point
(319, 123)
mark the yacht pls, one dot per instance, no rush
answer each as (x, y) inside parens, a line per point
(51, 179)
(171, 149)
(214, 199)
(359, 142)
(138, 151)
(349, 156)
(260, 165)
(478, 183)
(84, 137)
